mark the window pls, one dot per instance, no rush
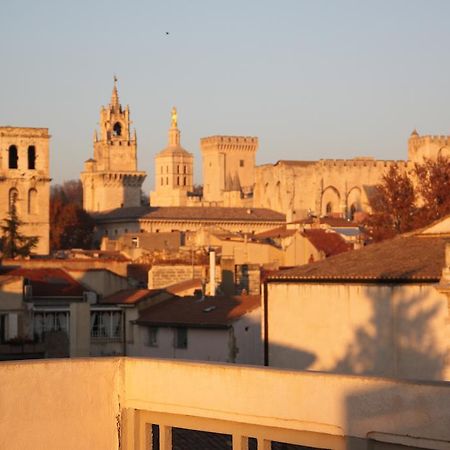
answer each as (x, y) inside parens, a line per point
(46, 321)
(32, 201)
(184, 181)
(12, 199)
(167, 169)
(329, 208)
(167, 180)
(31, 157)
(117, 129)
(178, 181)
(106, 324)
(181, 338)
(135, 242)
(152, 340)
(162, 169)
(162, 181)
(185, 169)
(241, 163)
(13, 158)
(178, 169)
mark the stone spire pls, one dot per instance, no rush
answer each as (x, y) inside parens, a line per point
(174, 132)
(115, 95)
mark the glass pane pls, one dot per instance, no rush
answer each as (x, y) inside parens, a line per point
(183, 439)
(286, 446)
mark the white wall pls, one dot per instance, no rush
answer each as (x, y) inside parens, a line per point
(399, 331)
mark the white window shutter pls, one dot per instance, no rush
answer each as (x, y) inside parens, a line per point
(13, 328)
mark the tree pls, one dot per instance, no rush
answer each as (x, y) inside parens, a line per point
(13, 242)
(433, 187)
(70, 225)
(393, 205)
(404, 201)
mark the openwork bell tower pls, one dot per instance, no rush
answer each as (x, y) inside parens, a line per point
(111, 180)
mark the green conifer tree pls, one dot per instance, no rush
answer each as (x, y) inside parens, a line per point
(13, 242)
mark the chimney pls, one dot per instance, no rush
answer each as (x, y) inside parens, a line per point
(212, 273)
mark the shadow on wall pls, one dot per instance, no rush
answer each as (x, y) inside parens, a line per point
(403, 337)
(400, 339)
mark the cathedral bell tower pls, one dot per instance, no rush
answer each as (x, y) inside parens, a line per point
(111, 180)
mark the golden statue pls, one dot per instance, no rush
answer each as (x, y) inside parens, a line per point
(174, 117)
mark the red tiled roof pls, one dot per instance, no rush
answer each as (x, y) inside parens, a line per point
(217, 312)
(130, 296)
(402, 259)
(330, 243)
(274, 233)
(48, 282)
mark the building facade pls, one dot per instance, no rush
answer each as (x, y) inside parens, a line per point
(112, 180)
(25, 180)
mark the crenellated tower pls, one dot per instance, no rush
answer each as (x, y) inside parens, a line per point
(228, 166)
(111, 180)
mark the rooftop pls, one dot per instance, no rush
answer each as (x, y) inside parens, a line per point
(213, 312)
(47, 282)
(193, 213)
(403, 259)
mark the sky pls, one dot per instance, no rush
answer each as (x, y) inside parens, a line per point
(311, 79)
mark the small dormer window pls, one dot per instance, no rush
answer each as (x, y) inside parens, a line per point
(117, 129)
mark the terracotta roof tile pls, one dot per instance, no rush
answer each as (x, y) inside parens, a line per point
(217, 312)
(402, 259)
(280, 232)
(130, 296)
(330, 243)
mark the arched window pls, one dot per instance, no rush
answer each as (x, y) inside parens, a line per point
(178, 169)
(31, 157)
(329, 208)
(32, 201)
(353, 210)
(178, 181)
(117, 129)
(13, 157)
(184, 181)
(12, 199)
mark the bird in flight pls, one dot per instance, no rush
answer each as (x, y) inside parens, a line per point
(167, 33)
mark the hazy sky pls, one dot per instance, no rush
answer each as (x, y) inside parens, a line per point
(312, 79)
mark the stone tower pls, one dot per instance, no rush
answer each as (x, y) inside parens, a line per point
(25, 180)
(228, 165)
(111, 180)
(174, 171)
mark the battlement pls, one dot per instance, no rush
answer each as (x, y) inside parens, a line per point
(361, 162)
(241, 143)
(441, 140)
(26, 132)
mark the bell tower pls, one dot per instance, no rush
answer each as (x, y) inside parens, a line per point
(111, 180)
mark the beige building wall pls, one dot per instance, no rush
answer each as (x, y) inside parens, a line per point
(25, 175)
(111, 180)
(313, 409)
(385, 330)
(228, 165)
(241, 343)
(102, 281)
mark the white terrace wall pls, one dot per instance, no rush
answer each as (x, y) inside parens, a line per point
(88, 403)
(388, 330)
